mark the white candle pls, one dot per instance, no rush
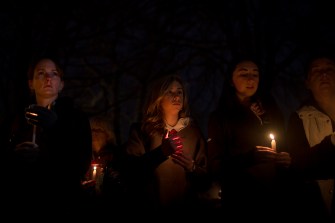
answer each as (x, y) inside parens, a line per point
(273, 143)
(94, 174)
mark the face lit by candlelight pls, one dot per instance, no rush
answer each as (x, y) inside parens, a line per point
(245, 79)
(172, 101)
(46, 81)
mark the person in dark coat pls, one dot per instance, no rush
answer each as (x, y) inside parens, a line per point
(50, 147)
(240, 155)
(311, 143)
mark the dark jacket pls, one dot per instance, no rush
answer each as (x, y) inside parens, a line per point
(310, 162)
(234, 131)
(51, 176)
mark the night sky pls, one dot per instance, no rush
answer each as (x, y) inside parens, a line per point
(112, 50)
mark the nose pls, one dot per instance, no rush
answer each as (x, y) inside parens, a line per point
(175, 97)
(251, 77)
(49, 75)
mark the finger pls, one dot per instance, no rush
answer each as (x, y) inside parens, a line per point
(182, 158)
(261, 147)
(264, 148)
(32, 121)
(176, 159)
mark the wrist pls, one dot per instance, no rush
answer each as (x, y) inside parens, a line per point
(193, 166)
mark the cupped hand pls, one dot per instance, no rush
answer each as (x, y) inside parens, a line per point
(183, 160)
(171, 143)
(26, 146)
(264, 154)
(283, 159)
(40, 116)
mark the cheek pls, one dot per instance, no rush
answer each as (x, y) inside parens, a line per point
(238, 85)
(58, 86)
(36, 85)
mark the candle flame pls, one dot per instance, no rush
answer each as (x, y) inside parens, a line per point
(272, 136)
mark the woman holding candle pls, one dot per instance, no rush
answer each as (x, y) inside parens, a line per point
(50, 148)
(311, 142)
(167, 156)
(240, 157)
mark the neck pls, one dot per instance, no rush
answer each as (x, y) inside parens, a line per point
(244, 100)
(171, 120)
(45, 102)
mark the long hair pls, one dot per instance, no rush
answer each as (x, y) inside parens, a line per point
(153, 120)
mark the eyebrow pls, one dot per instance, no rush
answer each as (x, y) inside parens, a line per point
(245, 68)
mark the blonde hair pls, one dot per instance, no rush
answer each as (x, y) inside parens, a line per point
(104, 124)
(153, 121)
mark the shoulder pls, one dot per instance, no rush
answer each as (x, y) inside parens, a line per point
(66, 105)
(67, 112)
(194, 126)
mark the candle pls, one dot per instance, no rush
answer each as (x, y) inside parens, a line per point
(94, 172)
(273, 143)
(34, 134)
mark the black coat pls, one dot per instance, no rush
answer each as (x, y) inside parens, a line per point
(309, 164)
(234, 131)
(50, 177)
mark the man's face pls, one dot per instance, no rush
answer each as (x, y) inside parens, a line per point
(321, 77)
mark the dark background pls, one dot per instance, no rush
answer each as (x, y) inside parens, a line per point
(112, 50)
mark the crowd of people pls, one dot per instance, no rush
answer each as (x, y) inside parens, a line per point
(61, 158)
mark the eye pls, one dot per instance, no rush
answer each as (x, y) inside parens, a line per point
(40, 73)
(55, 73)
(169, 93)
(330, 70)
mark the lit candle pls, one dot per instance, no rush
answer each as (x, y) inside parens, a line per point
(94, 174)
(273, 143)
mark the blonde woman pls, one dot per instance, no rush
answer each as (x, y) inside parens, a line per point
(166, 151)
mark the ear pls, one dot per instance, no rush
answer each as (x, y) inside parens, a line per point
(30, 83)
(61, 86)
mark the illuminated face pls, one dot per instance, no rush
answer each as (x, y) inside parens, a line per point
(321, 77)
(172, 101)
(46, 81)
(245, 79)
(99, 138)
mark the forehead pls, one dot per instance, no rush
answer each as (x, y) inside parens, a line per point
(175, 84)
(321, 62)
(246, 65)
(45, 64)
